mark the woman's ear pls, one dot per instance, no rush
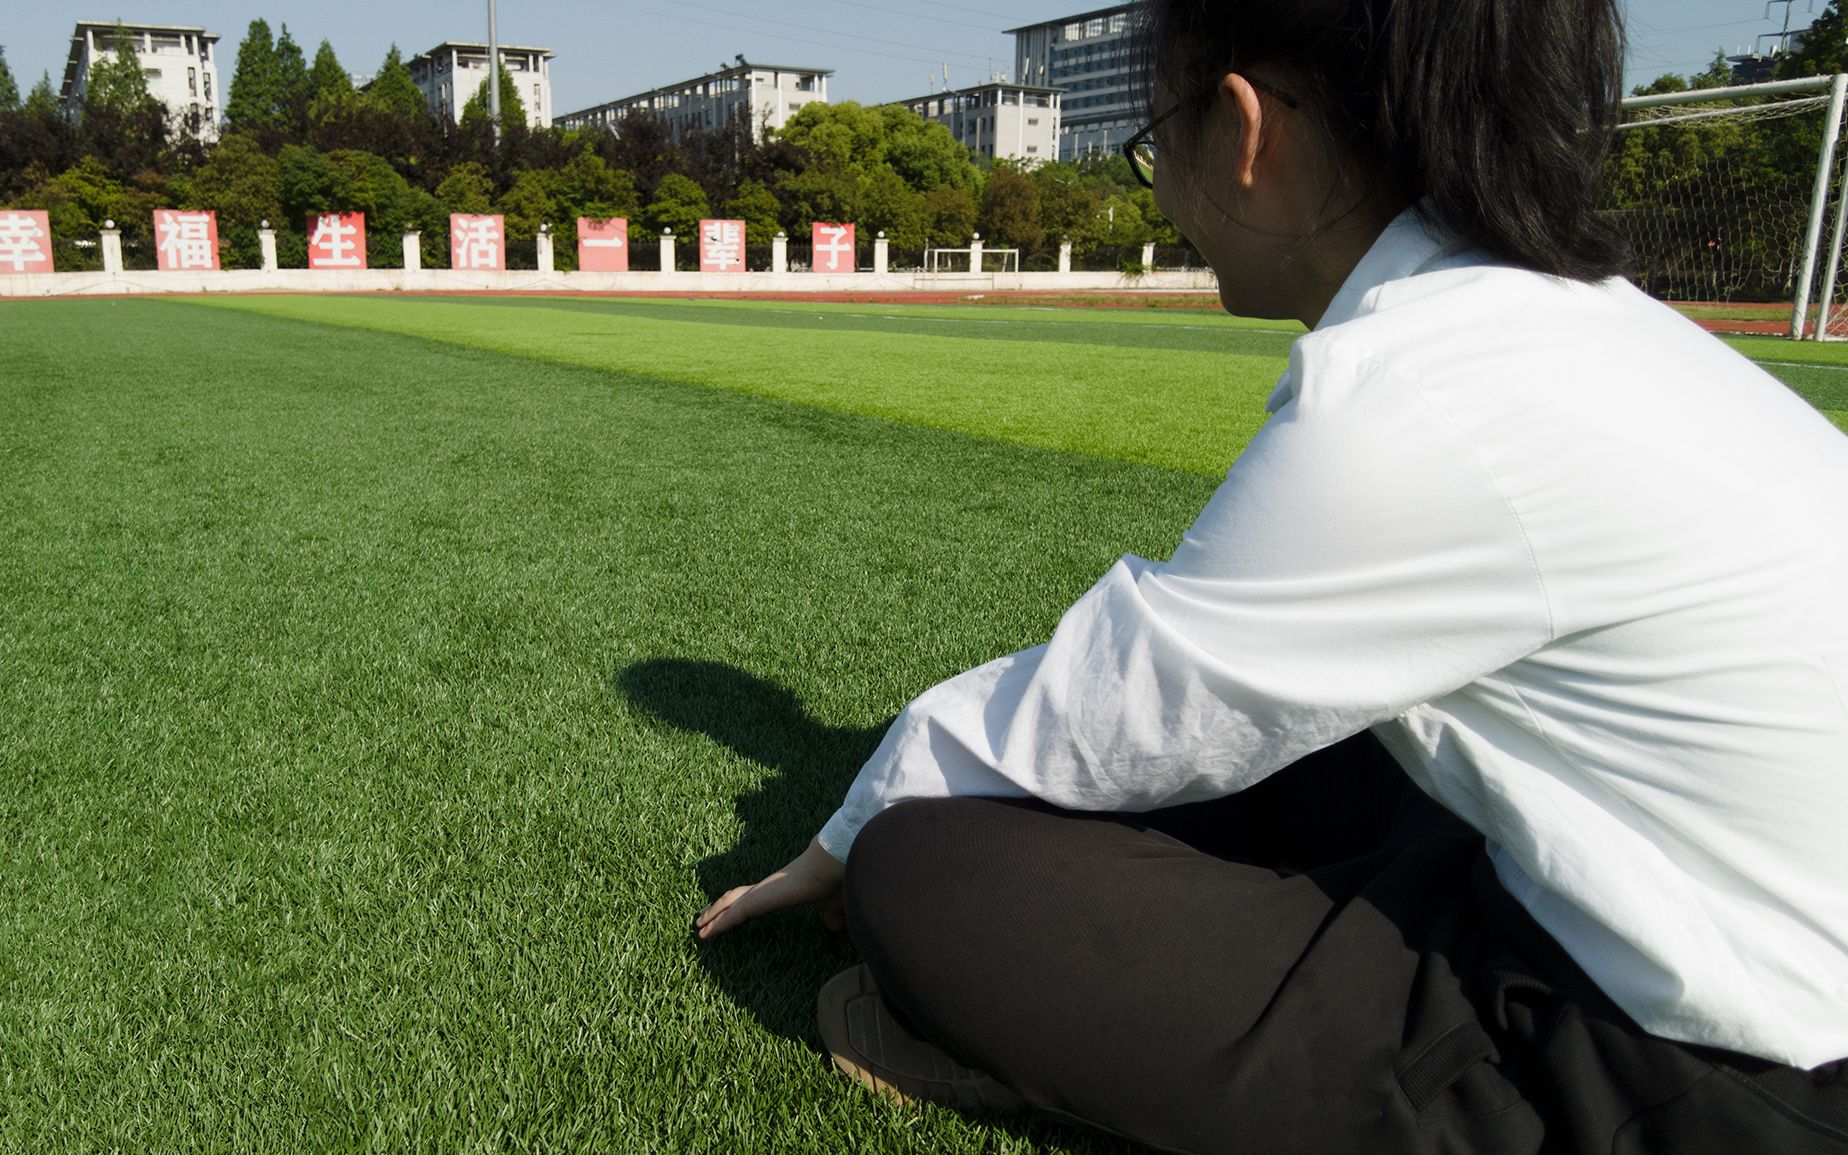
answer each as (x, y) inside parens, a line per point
(1238, 100)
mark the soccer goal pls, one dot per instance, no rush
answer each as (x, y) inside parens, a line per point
(1725, 194)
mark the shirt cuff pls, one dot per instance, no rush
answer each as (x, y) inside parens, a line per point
(837, 835)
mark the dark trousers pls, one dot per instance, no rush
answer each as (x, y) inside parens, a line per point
(1325, 963)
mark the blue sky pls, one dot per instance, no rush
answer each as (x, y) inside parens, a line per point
(880, 49)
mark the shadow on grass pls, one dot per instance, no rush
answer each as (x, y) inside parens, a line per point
(772, 967)
(775, 966)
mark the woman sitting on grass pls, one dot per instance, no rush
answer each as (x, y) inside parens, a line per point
(1474, 777)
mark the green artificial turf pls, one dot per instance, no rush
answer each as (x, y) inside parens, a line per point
(384, 683)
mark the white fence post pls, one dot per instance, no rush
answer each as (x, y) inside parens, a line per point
(779, 252)
(882, 254)
(266, 244)
(413, 250)
(975, 254)
(1065, 254)
(1148, 257)
(543, 243)
(112, 248)
(667, 250)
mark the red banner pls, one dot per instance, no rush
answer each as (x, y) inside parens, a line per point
(833, 248)
(337, 240)
(477, 242)
(185, 241)
(603, 246)
(25, 241)
(721, 246)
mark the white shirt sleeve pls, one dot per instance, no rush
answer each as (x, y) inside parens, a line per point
(1357, 561)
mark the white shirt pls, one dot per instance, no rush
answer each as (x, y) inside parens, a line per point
(1579, 565)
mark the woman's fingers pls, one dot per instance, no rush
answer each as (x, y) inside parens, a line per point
(723, 914)
(812, 877)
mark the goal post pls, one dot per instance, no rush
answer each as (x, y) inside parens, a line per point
(1725, 192)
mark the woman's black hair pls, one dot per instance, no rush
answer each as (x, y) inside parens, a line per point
(1498, 111)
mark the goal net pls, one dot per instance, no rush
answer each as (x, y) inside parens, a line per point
(1718, 193)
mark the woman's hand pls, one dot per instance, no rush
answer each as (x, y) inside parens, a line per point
(815, 876)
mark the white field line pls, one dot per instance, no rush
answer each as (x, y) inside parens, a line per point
(1804, 365)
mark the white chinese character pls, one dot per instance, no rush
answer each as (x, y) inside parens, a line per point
(185, 240)
(335, 238)
(19, 245)
(834, 245)
(724, 241)
(479, 242)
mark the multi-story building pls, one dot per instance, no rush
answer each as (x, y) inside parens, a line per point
(451, 73)
(769, 94)
(997, 120)
(179, 61)
(1091, 58)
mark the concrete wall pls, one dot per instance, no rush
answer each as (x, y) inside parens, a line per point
(451, 281)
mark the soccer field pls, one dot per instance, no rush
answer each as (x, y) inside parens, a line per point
(385, 682)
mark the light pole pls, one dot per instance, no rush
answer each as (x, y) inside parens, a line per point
(493, 72)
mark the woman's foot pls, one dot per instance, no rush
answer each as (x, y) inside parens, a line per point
(867, 1042)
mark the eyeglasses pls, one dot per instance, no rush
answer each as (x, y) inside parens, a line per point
(1139, 149)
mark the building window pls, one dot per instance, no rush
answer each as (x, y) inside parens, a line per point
(1119, 22)
(1094, 27)
(1033, 120)
(1074, 32)
(192, 81)
(1033, 148)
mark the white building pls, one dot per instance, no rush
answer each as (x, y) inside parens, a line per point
(769, 94)
(1091, 57)
(999, 120)
(179, 61)
(451, 73)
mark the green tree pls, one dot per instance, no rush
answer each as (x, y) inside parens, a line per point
(294, 88)
(826, 192)
(116, 83)
(122, 123)
(1068, 208)
(513, 109)
(1824, 48)
(888, 204)
(243, 185)
(255, 98)
(325, 77)
(949, 216)
(844, 135)
(79, 200)
(590, 187)
(757, 207)
(528, 204)
(9, 88)
(924, 153)
(394, 90)
(390, 202)
(1718, 73)
(1010, 209)
(466, 188)
(679, 204)
(36, 140)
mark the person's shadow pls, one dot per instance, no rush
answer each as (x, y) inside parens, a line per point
(774, 966)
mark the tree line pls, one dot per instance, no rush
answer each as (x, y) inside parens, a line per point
(299, 138)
